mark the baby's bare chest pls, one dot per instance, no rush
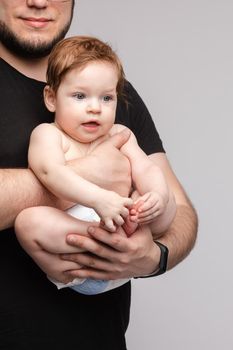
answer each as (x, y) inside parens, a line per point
(74, 149)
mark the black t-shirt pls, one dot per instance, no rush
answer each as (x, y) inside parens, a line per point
(33, 313)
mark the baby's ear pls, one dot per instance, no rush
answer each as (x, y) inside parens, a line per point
(50, 98)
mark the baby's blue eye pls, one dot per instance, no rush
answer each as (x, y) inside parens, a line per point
(107, 98)
(80, 96)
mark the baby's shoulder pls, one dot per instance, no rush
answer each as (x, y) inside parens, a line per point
(45, 127)
(117, 128)
(45, 130)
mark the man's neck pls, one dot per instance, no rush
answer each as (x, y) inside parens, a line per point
(32, 68)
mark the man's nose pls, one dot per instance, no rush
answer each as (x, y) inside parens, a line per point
(37, 3)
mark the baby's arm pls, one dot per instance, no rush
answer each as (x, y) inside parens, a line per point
(47, 160)
(155, 203)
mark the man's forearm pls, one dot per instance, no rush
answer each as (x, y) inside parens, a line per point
(20, 189)
(181, 236)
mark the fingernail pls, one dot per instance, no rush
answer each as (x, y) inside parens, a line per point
(91, 230)
(71, 239)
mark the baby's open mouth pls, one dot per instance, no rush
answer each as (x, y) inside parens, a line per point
(92, 123)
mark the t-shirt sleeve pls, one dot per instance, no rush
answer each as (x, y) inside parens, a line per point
(140, 121)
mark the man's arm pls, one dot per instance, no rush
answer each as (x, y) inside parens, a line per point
(20, 189)
(137, 255)
(181, 235)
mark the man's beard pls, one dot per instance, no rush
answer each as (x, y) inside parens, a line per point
(26, 48)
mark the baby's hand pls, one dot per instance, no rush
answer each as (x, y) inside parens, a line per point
(148, 207)
(112, 209)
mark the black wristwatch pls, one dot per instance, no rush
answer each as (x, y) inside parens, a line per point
(162, 262)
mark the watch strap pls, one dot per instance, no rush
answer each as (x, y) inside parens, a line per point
(162, 262)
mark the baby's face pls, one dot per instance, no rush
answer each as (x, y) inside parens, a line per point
(86, 101)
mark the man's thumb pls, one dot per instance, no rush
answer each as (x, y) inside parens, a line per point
(119, 139)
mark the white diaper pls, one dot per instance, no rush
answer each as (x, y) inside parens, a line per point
(83, 213)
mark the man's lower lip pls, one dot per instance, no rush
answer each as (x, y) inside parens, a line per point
(36, 24)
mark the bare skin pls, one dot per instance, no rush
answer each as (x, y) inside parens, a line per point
(179, 238)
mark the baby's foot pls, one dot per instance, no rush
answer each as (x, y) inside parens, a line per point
(129, 226)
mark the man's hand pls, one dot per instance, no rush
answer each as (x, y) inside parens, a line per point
(42, 231)
(54, 267)
(112, 255)
(106, 166)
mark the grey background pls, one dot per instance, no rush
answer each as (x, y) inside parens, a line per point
(179, 56)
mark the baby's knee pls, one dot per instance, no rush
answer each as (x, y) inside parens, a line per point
(25, 228)
(24, 221)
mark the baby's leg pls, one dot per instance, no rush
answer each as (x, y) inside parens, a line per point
(42, 233)
(41, 230)
(46, 228)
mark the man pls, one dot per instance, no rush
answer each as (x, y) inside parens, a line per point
(33, 314)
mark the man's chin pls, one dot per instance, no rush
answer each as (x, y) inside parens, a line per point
(34, 46)
(32, 50)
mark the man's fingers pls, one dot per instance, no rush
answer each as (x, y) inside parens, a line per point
(93, 246)
(119, 139)
(92, 261)
(54, 266)
(115, 240)
(90, 273)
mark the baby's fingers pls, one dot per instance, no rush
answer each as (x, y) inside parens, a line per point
(119, 221)
(150, 204)
(151, 212)
(148, 218)
(127, 202)
(108, 225)
(124, 212)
